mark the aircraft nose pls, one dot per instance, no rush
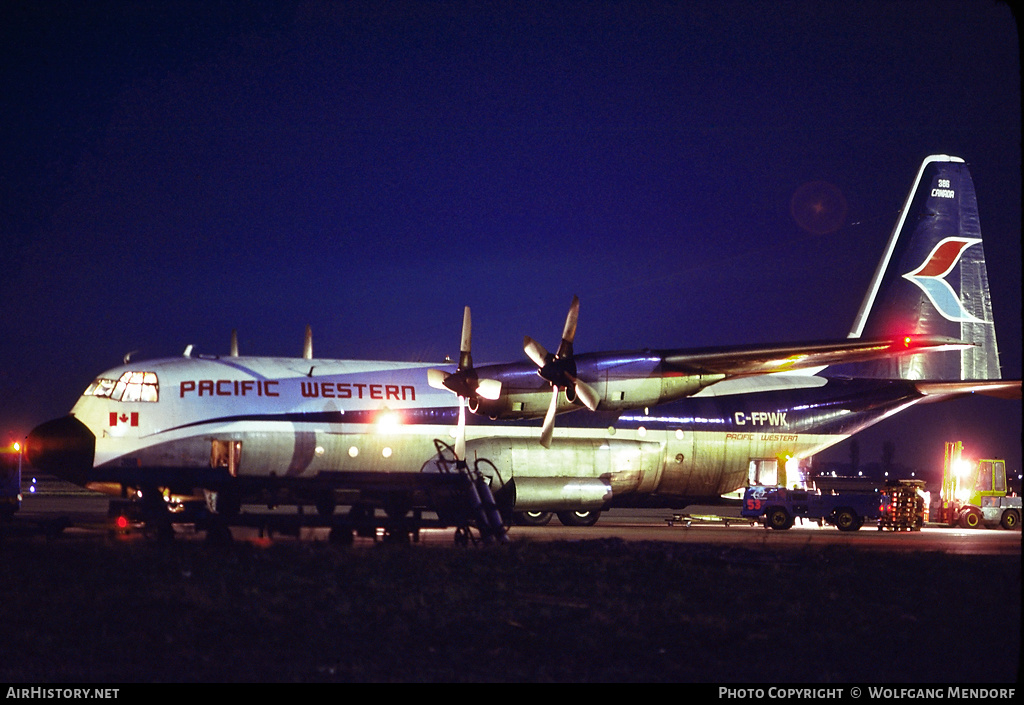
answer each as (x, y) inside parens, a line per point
(63, 447)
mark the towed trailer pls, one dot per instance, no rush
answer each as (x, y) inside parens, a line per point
(903, 505)
(726, 514)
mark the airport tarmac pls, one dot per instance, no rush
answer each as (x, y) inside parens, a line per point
(668, 603)
(83, 515)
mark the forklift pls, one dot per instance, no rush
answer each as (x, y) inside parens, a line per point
(974, 494)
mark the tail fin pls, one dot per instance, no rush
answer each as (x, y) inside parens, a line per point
(932, 280)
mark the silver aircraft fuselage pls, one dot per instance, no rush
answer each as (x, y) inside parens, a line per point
(196, 422)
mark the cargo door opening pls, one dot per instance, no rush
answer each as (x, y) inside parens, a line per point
(226, 454)
(763, 471)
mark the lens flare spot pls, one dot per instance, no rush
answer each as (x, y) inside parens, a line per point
(818, 207)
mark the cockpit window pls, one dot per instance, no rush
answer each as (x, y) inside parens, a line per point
(132, 386)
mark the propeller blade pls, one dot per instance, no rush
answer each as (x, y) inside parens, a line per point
(489, 388)
(307, 344)
(464, 383)
(460, 432)
(465, 356)
(436, 378)
(559, 370)
(586, 394)
(535, 351)
(549, 420)
(569, 332)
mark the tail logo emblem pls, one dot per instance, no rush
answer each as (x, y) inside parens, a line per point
(930, 277)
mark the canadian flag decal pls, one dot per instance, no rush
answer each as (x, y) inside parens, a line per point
(131, 419)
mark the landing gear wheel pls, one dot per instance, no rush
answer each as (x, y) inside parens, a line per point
(579, 517)
(532, 518)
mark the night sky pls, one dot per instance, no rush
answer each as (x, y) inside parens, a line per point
(176, 170)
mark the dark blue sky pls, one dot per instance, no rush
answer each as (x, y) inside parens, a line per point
(173, 170)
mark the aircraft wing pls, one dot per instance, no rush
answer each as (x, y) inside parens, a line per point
(760, 360)
(635, 379)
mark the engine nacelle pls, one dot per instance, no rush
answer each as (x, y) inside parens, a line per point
(517, 405)
(570, 474)
(615, 395)
(558, 493)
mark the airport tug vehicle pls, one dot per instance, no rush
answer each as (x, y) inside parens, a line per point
(778, 507)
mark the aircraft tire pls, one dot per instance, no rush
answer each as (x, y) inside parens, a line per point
(778, 518)
(532, 518)
(579, 517)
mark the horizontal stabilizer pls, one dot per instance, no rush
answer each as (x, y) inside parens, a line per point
(1000, 389)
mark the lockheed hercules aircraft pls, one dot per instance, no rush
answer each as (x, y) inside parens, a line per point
(651, 428)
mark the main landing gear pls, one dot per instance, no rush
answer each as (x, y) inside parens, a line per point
(576, 517)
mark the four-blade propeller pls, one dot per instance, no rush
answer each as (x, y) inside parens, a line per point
(465, 383)
(560, 372)
(558, 369)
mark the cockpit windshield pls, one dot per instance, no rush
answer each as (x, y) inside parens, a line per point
(132, 386)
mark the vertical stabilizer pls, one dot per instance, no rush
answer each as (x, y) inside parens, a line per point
(932, 280)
